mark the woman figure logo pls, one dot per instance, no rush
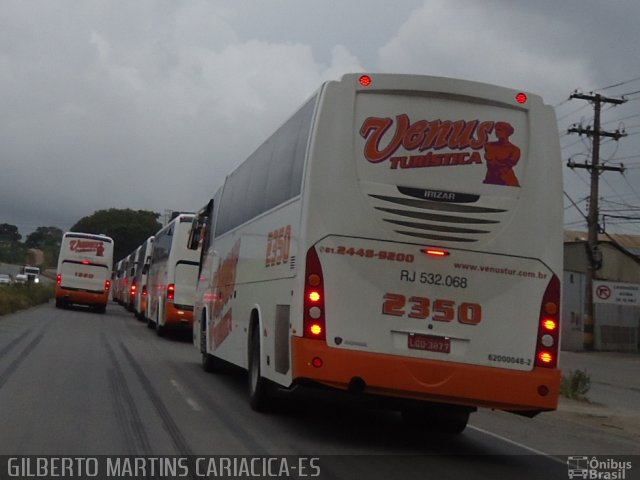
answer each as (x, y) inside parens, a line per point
(501, 157)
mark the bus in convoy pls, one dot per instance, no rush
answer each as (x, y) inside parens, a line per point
(142, 277)
(84, 270)
(399, 238)
(135, 267)
(129, 272)
(172, 277)
(115, 280)
(121, 278)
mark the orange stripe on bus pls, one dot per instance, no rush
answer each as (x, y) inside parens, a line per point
(429, 380)
(82, 298)
(173, 317)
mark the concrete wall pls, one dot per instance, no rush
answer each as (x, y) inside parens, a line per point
(616, 327)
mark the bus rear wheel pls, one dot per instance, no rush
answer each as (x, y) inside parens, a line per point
(259, 387)
(210, 364)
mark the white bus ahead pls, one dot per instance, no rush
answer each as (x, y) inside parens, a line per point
(173, 275)
(142, 278)
(84, 270)
(400, 237)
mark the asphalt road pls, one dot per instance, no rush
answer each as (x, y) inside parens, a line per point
(73, 382)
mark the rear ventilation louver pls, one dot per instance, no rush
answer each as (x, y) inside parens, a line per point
(434, 221)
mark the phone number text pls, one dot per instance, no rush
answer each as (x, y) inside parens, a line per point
(390, 256)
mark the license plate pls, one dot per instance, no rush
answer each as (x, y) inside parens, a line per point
(430, 343)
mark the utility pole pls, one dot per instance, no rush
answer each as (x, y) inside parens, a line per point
(594, 253)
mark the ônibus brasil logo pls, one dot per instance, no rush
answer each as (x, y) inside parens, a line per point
(462, 140)
(595, 468)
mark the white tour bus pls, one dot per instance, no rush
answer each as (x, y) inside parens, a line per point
(399, 236)
(135, 267)
(116, 279)
(84, 270)
(142, 278)
(173, 274)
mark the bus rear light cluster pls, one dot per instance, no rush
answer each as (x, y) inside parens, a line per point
(58, 279)
(133, 290)
(314, 320)
(107, 285)
(548, 328)
(144, 290)
(171, 292)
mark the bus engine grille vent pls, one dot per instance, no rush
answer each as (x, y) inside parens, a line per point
(437, 220)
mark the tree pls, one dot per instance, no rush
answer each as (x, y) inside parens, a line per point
(128, 228)
(43, 237)
(47, 239)
(11, 250)
(9, 233)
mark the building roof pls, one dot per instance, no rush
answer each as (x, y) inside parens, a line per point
(628, 243)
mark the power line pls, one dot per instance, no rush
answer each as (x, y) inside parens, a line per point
(575, 205)
(619, 84)
(571, 113)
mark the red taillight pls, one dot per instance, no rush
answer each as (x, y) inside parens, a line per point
(364, 80)
(107, 285)
(144, 290)
(171, 291)
(521, 98)
(85, 262)
(133, 290)
(314, 321)
(58, 279)
(548, 329)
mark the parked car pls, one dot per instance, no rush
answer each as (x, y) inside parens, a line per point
(5, 279)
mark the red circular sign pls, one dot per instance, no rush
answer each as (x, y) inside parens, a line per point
(603, 292)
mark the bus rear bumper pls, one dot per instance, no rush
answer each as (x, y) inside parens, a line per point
(428, 380)
(80, 297)
(178, 315)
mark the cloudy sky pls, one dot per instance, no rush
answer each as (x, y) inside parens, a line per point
(147, 104)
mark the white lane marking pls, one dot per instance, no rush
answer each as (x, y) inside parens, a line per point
(517, 444)
(190, 401)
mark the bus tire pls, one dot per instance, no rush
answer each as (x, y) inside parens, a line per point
(59, 303)
(259, 387)
(210, 364)
(101, 308)
(442, 420)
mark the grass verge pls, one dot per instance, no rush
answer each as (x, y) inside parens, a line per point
(19, 297)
